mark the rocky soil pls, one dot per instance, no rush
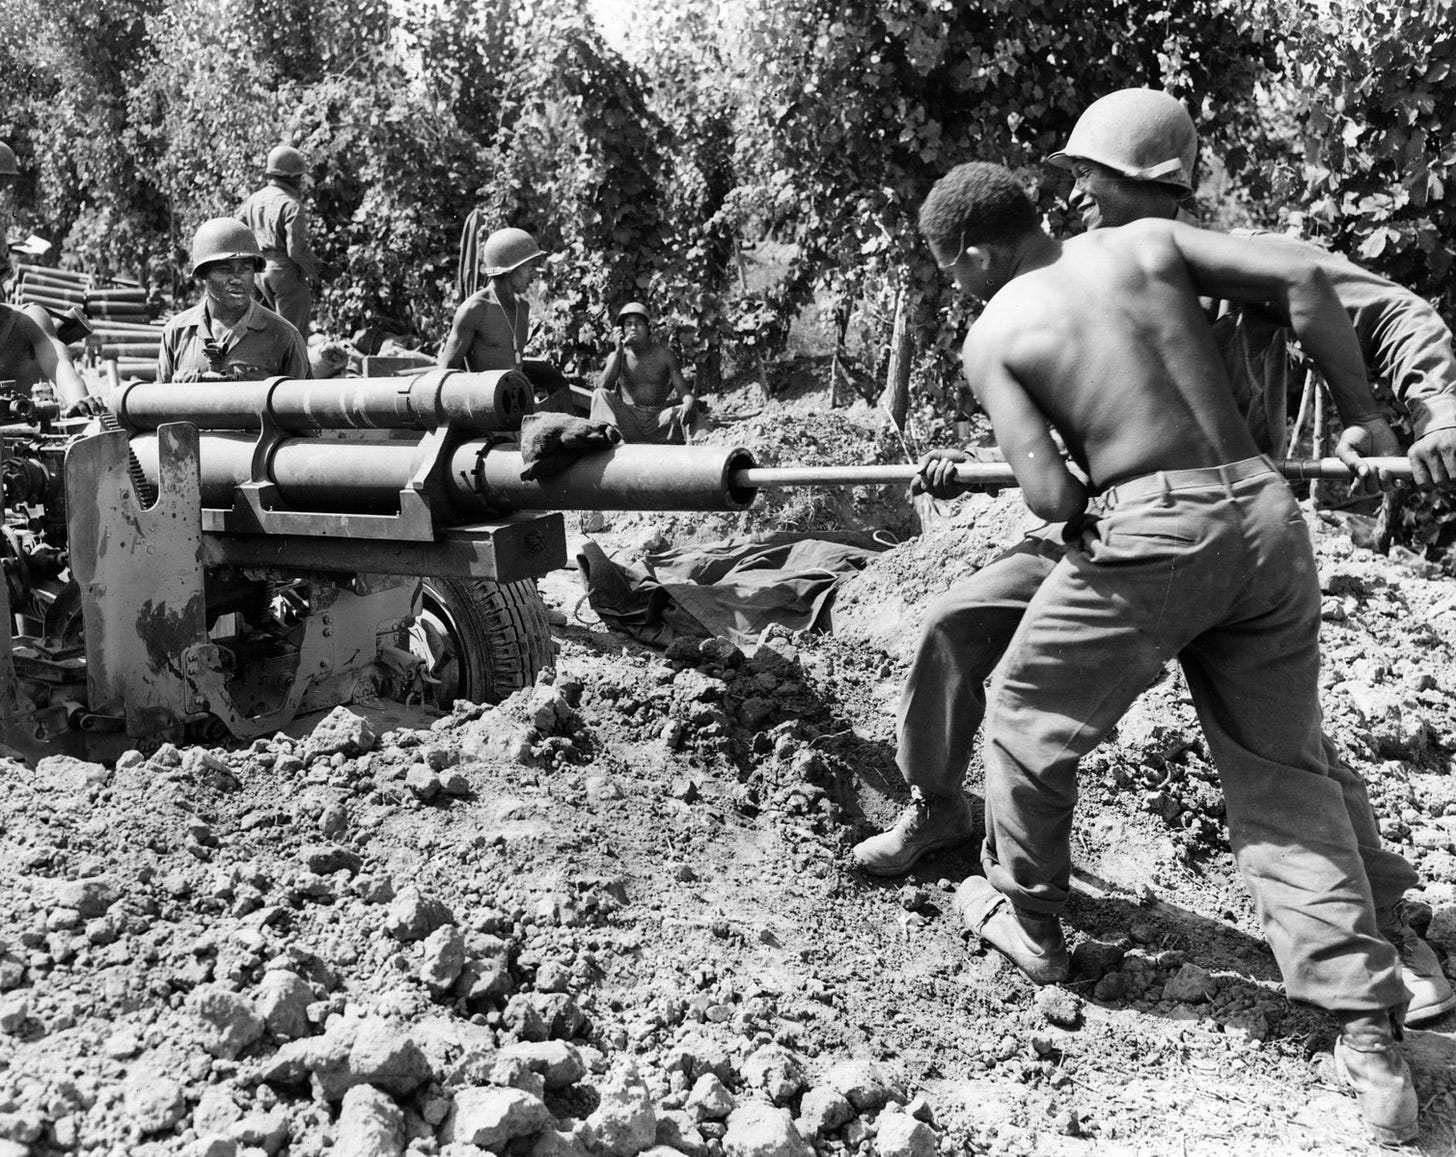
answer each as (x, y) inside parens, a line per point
(614, 915)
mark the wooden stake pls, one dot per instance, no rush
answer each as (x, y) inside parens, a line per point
(757, 349)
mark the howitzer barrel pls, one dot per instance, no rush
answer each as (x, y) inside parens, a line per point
(309, 473)
(1000, 473)
(492, 401)
(623, 478)
(481, 479)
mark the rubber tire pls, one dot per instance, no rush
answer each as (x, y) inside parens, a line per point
(501, 632)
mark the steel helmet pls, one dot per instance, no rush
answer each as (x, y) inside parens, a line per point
(223, 239)
(285, 161)
(1141, 133)
(8, 167)
(631, 308)
(508, 249)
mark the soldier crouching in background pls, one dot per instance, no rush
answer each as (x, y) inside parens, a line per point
(637, 389)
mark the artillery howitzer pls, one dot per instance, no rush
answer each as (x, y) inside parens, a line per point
(228, 557)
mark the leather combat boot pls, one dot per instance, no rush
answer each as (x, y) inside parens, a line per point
(1369, 1061)
(1034, 944)
(1420, 970)
(928, 824)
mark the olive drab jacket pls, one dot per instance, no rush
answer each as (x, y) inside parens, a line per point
(280, 223)
(262, 345)
(1406, 346)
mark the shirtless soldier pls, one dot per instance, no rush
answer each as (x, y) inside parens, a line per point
(30, 353)
(1198, 550)
(637, 387)
(1133, 152)
(491, 326)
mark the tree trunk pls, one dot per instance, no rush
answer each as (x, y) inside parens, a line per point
(896, 398)
(757, 350)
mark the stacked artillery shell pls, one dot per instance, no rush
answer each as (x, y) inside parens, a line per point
(61, 289)
(56, 289)
(121, 325)
(119, 304)
(133, 363)
(135, 348)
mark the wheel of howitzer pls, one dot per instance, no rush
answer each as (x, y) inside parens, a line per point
(482, 639)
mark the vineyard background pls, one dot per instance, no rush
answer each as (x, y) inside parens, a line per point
(657, 149)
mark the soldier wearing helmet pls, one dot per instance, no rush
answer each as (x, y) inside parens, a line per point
(490, 328)
(642, 390)
(1132, 154)
(228, 335)
(279, 222)
(9, 170)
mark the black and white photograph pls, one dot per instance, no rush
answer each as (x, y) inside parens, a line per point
(727, 578)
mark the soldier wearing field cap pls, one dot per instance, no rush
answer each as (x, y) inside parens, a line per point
(642, 390)
(228, 335)
(279, 221)
(1133, 153)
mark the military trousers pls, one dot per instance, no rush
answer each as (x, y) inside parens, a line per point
(1213, 566)
(966, 632)
(283, 289)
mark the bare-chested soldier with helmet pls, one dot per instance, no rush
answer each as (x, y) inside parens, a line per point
(642, 390)
(1134, 152)
(492, 326)
(1197, 551)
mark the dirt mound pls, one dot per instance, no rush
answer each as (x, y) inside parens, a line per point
(778, 437)
(884, 604)
(616, 911)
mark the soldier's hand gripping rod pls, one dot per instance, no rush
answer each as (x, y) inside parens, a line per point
(973, 474)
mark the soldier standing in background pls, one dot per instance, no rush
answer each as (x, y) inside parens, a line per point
(9, 172)
(276, 215)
